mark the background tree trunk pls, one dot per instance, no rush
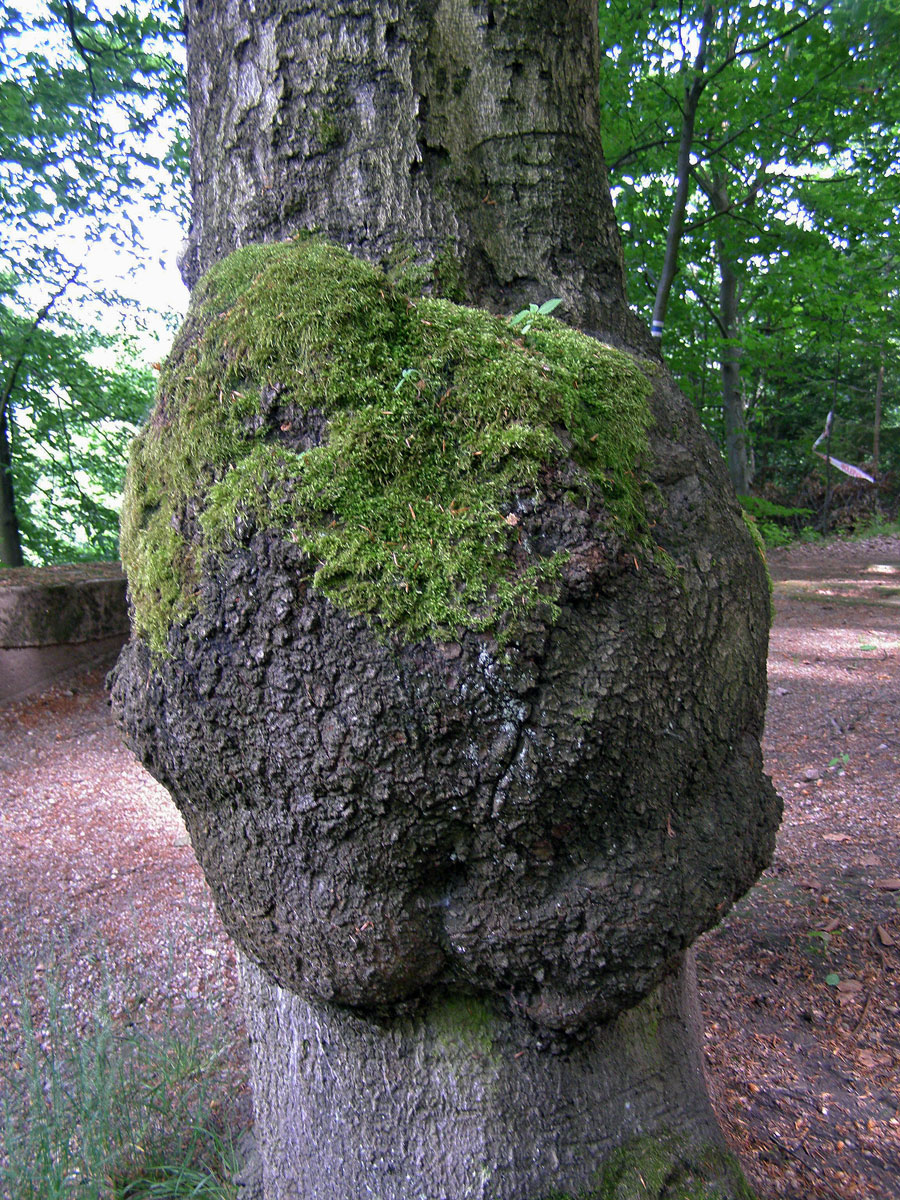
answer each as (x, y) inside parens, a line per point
(10, 540)
(467, 135)
(736, 449)
(730, 374)
(692, 93)
(876, 420)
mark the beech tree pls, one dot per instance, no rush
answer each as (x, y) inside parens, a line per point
(449, 637)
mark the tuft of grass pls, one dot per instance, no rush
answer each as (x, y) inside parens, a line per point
(879, 526)
(109, 1111)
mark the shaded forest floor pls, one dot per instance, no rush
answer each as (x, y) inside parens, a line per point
(800, 983)
(100, 892)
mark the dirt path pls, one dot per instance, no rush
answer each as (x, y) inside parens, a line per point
(799, 984)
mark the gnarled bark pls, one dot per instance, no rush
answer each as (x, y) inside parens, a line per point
(468, 132)
(464, 879)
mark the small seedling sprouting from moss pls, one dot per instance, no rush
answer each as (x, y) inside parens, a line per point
(533, 310)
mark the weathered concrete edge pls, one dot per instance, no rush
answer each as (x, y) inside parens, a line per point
(68, 606)
(57, 620)
(29, 670)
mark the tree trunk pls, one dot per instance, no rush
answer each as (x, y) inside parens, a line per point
(730, 368)
(876, 423)
(466, 136)
(466, 133)
(692, 93)
(10, 539)
(461, 1102)
(730, 373)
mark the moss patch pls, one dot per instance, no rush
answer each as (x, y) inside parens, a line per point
(759, 543)
(665, 1168)
(465, 1022)
(653, 1168)
(437, 418)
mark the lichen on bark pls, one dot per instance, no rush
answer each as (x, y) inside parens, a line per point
(399, 442)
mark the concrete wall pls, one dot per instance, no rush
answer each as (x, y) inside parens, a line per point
(55, 620)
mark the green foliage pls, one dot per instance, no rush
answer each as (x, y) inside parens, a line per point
(91, 123)
(439, 417)
(793, 182)
(109, 1110)
(778, 524)
(80, 396)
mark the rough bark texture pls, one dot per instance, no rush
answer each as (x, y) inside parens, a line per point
(505, 1110)
(441, 835)
(378, 818)
(446, 128)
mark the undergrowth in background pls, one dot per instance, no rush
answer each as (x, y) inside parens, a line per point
(779, 525)
(111, 1107)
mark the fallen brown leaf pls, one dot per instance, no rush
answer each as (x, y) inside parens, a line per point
(849, 986)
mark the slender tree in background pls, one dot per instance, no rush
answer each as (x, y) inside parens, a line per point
(753, 143)
(464, 877)
(90, 141)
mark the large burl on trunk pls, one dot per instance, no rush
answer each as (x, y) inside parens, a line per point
(455, 669)
(449, 637)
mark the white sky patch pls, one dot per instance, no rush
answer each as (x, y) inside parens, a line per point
(148, 276)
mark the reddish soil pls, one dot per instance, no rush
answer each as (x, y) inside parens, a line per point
(799, 983)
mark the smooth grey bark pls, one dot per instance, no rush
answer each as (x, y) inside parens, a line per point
(486, 1044)
(462, 1101)
(466, 131)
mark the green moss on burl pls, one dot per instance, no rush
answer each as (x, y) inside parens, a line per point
(438, 417)
(760, 545)
(464, 1022)
(653, 1167)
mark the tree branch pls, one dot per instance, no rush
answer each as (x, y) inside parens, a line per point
(765, 44)
(81, 49)
(26, 341)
